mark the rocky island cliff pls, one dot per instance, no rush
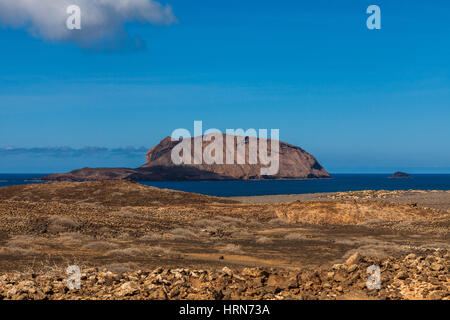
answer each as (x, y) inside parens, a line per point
(292, 163)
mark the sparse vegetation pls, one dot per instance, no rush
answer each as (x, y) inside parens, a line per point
(99, 246)
(81, 223)
(124, 214)
(61, 224)
(294, 236)
(231, 248)
(206, 222)
(16, 251)
(180, 233)
(241, 234)
(120, 268)
(264, 240)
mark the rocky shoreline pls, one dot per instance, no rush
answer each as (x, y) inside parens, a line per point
(411, 277)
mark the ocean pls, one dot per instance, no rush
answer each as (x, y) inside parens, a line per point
(339, 182)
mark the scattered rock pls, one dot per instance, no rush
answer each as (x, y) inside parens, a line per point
(436, 295)
(413, 277)
(127, 289)
(227, 271)
(436, 266)
(353, 259)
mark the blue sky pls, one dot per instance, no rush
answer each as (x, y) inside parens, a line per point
(359, 100)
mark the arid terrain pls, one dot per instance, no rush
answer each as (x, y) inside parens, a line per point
(137, 242)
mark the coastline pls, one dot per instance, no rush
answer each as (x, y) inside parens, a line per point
(282, 188)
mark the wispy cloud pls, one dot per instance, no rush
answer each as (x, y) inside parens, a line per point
(68, 152)
(103, 21)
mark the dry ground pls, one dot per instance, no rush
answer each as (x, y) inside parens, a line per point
(124, 226)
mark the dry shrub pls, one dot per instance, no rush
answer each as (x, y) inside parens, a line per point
(231, 248)
(100, 246)
(72, 238)
(404, 224)
(348, 241)
(294, 236)
(16, 251)
(211, 229)
(61, 223)
(180, 233)
(127, 252)
(156, 236)
(230, 220)
(203, 223)
(22, 245)
(14, 219)
(380, 251)
(124, 214)
(241, 234)
(373, 222)
(255, 223)
(160, 251)
(88, 203)
(120, 268)
(25, 238)
(278, 221)
(264, 240)
(151, 236)
(124, 236)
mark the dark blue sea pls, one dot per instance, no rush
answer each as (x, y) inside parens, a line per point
(339, 182)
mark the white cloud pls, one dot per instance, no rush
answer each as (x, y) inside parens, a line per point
(102, 21)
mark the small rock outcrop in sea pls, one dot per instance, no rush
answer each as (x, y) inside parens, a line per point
(399, 174)
(294, 163)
